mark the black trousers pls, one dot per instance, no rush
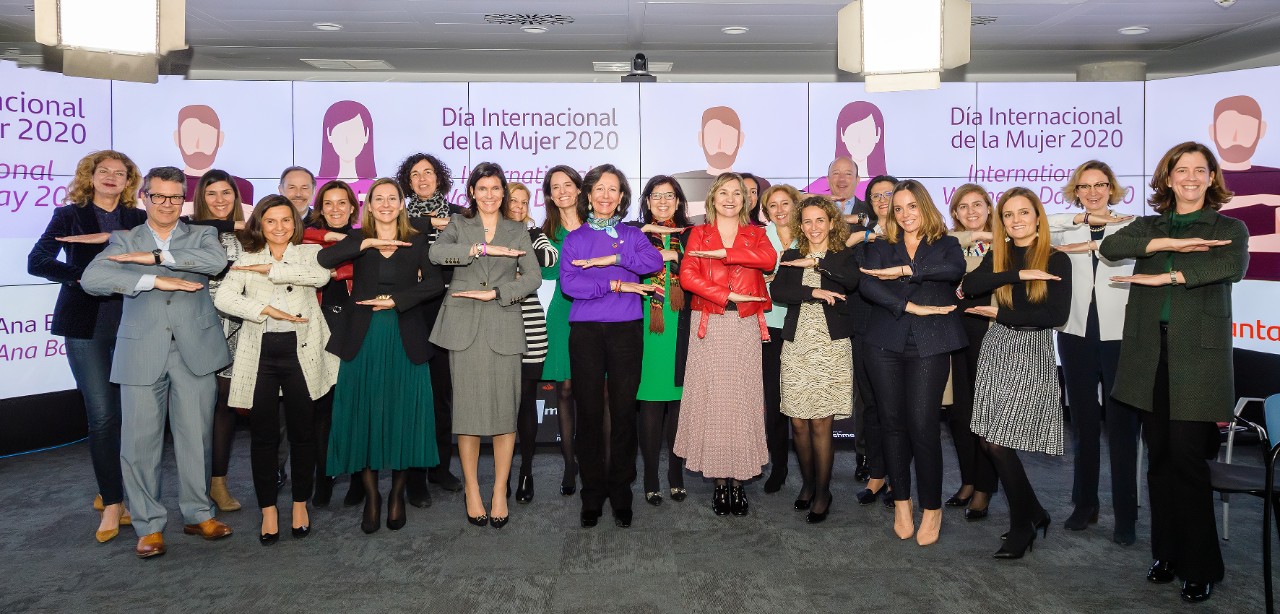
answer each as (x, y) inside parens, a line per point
(279, 371)
(442, 393)
(606, 355)
(1183, 529)
(776, 426)
(1088, 362)
(909, 396)
(975, 465)
(869, 438)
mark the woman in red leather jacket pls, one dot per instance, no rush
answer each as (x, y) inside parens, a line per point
(721, 429)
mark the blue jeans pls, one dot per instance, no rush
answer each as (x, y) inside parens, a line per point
(91, 367)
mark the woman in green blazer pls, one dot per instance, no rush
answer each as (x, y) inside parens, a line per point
(1175, 357)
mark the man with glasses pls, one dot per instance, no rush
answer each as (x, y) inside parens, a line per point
(168, 346)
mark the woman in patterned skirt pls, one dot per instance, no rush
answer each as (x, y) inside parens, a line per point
(817, 362)
(1016, 402)
(560, 191)
(721, 430)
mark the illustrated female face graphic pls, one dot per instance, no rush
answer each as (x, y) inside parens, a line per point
(349, 138)
(861, 137)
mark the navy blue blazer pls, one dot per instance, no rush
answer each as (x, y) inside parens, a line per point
(75, 314)
(936, 272)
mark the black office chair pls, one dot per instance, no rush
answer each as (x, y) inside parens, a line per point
(1226, 478)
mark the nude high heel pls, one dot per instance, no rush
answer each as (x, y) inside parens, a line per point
(930, 526)
(904, 524)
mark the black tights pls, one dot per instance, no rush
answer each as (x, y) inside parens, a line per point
(816, 454)
(224, 428)
(527, 422)
(373, 501)
(568, 414)
(658, 420)
(1024, 508)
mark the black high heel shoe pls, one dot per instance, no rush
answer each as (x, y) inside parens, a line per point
(498, 523)
(957, 501)
(569, 482)
(1040, 525)
(1016, 548)
(480, 520)
(395, 523)
(268, 539)
(720, 500)
(814, 516)
(738, 500)
(372, 520)
(802, 503)
(972, 514)
(524, 492)
(301, 532)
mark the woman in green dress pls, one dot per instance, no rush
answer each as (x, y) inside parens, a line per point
(662, 370)
(560, 193)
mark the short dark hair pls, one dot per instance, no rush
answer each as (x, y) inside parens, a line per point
(304, 169)
(551, 225)
(482, 170)
(866, 195)
(251, 238)
(444, 177)
(589, 182)
(682, 204)
(165, 173)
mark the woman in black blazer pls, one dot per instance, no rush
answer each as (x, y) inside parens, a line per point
(817, 362)
(912, 276)
(383, 415)
(103, 195)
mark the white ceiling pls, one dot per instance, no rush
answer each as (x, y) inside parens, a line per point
(450, 40)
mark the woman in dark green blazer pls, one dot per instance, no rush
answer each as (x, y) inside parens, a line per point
(1175, 358)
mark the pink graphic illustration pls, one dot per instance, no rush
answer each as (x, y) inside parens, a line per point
(1237, 129)
(859, 137)
(346, 146)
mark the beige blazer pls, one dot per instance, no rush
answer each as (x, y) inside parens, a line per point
(245, 294)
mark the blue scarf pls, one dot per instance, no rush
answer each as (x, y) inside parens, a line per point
(607, 225)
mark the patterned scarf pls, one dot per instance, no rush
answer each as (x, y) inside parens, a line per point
(607, 225)
(669, 270)
(435, 206)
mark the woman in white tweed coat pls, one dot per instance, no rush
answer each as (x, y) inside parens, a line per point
(272, 288)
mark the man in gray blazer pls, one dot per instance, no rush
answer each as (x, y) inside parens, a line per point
(168, 347)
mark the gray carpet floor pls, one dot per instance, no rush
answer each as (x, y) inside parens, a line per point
(678, 557)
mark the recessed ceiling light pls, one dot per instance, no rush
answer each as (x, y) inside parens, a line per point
(1134, 30)
(534, 29)
(733, 30)
(325, 26)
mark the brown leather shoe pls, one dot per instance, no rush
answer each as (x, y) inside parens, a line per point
(209, 529)
(150, 545)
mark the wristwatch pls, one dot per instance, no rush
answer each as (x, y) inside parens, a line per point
(156, 253)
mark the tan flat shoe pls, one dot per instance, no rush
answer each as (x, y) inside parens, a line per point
(106, 536)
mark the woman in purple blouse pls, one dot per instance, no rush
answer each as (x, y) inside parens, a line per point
(600, 268)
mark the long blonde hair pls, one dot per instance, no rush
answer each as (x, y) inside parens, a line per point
(1037, 253)
(370, 226)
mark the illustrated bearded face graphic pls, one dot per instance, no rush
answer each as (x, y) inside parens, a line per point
(198, 143)
(1236, 136)
(720, 143)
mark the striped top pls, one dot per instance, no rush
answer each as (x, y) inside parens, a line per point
(535, 320)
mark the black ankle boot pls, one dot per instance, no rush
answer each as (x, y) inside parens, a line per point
(720, 500)
(738, 500)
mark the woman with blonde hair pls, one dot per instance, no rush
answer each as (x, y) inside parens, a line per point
(971, 225)
(911, 277)
(817, 360)
(1089, 344)
(383, 414)
(721, 433)
(1017, 403)
(103, 196)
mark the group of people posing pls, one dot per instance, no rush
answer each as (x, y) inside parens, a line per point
(368, 336)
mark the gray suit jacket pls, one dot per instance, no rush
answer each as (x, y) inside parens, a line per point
(154, 317)
(498, 323)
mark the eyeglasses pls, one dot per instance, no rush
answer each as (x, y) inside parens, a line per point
(1101, 186)
(882, 196)
(662, 196)
(160, 199)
